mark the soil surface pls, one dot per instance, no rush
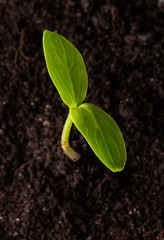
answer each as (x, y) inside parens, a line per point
(43, 194)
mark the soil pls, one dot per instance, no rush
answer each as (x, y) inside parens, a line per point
(43, 194)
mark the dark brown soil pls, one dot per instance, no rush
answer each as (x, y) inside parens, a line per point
(43, 194)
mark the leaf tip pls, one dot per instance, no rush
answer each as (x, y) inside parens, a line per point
(117, 169)
(47, 33)
(121, 167)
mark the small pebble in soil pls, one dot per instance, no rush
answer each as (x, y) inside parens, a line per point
(130, 212)
(46, 123)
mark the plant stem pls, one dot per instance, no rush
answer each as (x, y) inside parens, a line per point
(73, 155)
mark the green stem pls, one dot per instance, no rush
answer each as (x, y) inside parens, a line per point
(65, 140)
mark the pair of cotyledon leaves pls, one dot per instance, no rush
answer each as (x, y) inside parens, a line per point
(68, 73)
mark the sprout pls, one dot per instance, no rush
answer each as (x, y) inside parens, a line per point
(68, 73)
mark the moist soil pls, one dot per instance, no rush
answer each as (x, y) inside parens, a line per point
(43, 194)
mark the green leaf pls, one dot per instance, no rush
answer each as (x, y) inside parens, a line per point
(66, 68)
(102, 133)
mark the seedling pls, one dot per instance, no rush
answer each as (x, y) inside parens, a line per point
(68, 73)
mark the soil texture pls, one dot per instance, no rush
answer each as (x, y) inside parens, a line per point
(43, 194)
